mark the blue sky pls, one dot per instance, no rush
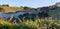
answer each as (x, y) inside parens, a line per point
(30, 3)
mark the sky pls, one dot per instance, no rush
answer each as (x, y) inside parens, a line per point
(30, 3)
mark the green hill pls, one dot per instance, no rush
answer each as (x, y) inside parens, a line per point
(55, 13)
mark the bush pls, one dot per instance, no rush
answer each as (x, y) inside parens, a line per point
(30, 24)
(25, 25)
(5, 25)
(15, 27)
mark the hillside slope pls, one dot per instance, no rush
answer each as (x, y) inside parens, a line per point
(9, 9)
(55, 13)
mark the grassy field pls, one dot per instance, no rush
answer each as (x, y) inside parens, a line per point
(8, 9)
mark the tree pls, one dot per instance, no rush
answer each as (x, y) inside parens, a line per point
(33, 16)
(20, 17)
(39, 15)
(26, 16)
(20, 8)
(1, 9)
(28, 8)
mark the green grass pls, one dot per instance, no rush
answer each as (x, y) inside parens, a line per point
(29, 24)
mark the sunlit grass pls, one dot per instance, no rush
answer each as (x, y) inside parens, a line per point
(29, 24)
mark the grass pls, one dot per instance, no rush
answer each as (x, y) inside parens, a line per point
(29, 24)
(7, 9)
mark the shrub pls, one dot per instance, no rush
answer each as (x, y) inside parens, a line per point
(5, 25)
(30, 24)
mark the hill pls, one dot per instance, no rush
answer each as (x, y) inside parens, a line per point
(55, 12)
(5, 8)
